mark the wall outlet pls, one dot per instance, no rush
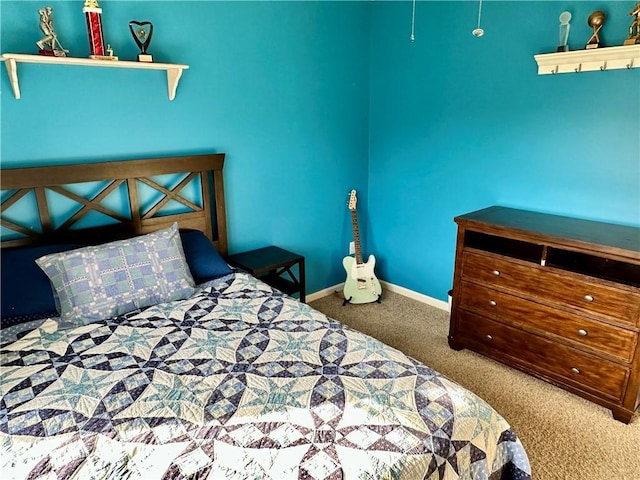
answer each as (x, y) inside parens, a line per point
(352, 248)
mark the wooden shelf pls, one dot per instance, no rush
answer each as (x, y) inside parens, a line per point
(11, 60)
(607, 58)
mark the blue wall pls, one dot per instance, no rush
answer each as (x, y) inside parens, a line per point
(281, 87)
(312, 99)
(460, 123)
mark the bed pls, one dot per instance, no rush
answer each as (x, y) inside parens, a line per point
(229, 379)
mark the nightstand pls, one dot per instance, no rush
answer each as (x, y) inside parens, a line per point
(270, 264)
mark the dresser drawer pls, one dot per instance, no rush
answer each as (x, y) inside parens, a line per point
(533, 280)
(617, 343)
(547, 357)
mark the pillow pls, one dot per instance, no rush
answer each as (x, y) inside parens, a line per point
(202, 257)
(93, 283)
(26, 290)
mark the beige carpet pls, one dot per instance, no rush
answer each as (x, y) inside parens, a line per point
(565, 436)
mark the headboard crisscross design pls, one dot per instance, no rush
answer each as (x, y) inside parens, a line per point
(93, 204)
(170, 194)
(204, 171)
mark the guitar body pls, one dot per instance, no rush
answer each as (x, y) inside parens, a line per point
(361, 285)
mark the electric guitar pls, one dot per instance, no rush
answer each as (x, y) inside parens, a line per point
(361, 285)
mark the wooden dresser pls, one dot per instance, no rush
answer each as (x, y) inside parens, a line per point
(556, 297)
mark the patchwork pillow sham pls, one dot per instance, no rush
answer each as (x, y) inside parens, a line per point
(205, 263)
(98, 282)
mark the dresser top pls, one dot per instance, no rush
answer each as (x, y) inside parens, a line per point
(555, 228)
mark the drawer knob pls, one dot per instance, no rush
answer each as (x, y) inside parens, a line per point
(496, 273)
(575, 370)
(582, 332)
(588, 298)
(492, 303)
(488, 337)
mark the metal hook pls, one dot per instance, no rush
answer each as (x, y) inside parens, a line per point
(630, 64)
(578, 69)
(603, 67)
(555, 70)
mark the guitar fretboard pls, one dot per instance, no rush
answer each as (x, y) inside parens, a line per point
(356, 236)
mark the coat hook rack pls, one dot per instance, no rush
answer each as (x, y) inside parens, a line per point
(621, 57)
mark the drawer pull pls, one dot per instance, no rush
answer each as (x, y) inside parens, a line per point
(492, 303)
(488, 337)
(575, 370)
(588, 298)
(582, 332)
(496, 273)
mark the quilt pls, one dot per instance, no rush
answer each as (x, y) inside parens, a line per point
(238, 381)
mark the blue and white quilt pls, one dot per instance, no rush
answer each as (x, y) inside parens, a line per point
(237, 382)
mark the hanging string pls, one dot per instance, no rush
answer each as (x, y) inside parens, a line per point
(413, 21)
(478, 32)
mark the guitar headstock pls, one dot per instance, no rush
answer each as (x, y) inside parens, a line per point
(352, 200)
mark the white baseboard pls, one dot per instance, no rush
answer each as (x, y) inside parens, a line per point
(434, 302)
(325, 292)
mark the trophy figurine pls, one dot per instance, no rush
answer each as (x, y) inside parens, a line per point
(634, 28)
(565, 17)
(595, 21)
(49, 45)
(142, 32)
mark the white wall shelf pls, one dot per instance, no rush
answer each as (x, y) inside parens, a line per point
(606, 58)
(11, 60)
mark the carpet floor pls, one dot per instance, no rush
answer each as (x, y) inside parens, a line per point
(565, 436)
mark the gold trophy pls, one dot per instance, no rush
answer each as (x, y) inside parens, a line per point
(634, 28)
(595, 21)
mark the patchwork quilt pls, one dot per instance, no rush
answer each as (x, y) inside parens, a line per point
(238, 381)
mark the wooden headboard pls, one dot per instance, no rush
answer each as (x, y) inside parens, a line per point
(121, 176)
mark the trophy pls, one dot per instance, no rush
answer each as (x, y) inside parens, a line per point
(142, 32)
(93, 16)
(634, 28)
(595, 21)
(49, 45)
(565, 17)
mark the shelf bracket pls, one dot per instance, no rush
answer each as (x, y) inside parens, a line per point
(12, 71)
(173, 77)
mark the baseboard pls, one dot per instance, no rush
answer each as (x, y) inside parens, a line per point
(325, 292)
(434, 302)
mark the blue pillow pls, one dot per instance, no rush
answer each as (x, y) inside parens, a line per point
(93, 283)
(202, 257)
(26, 290)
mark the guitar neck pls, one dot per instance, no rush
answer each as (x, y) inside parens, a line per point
(356, 236)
